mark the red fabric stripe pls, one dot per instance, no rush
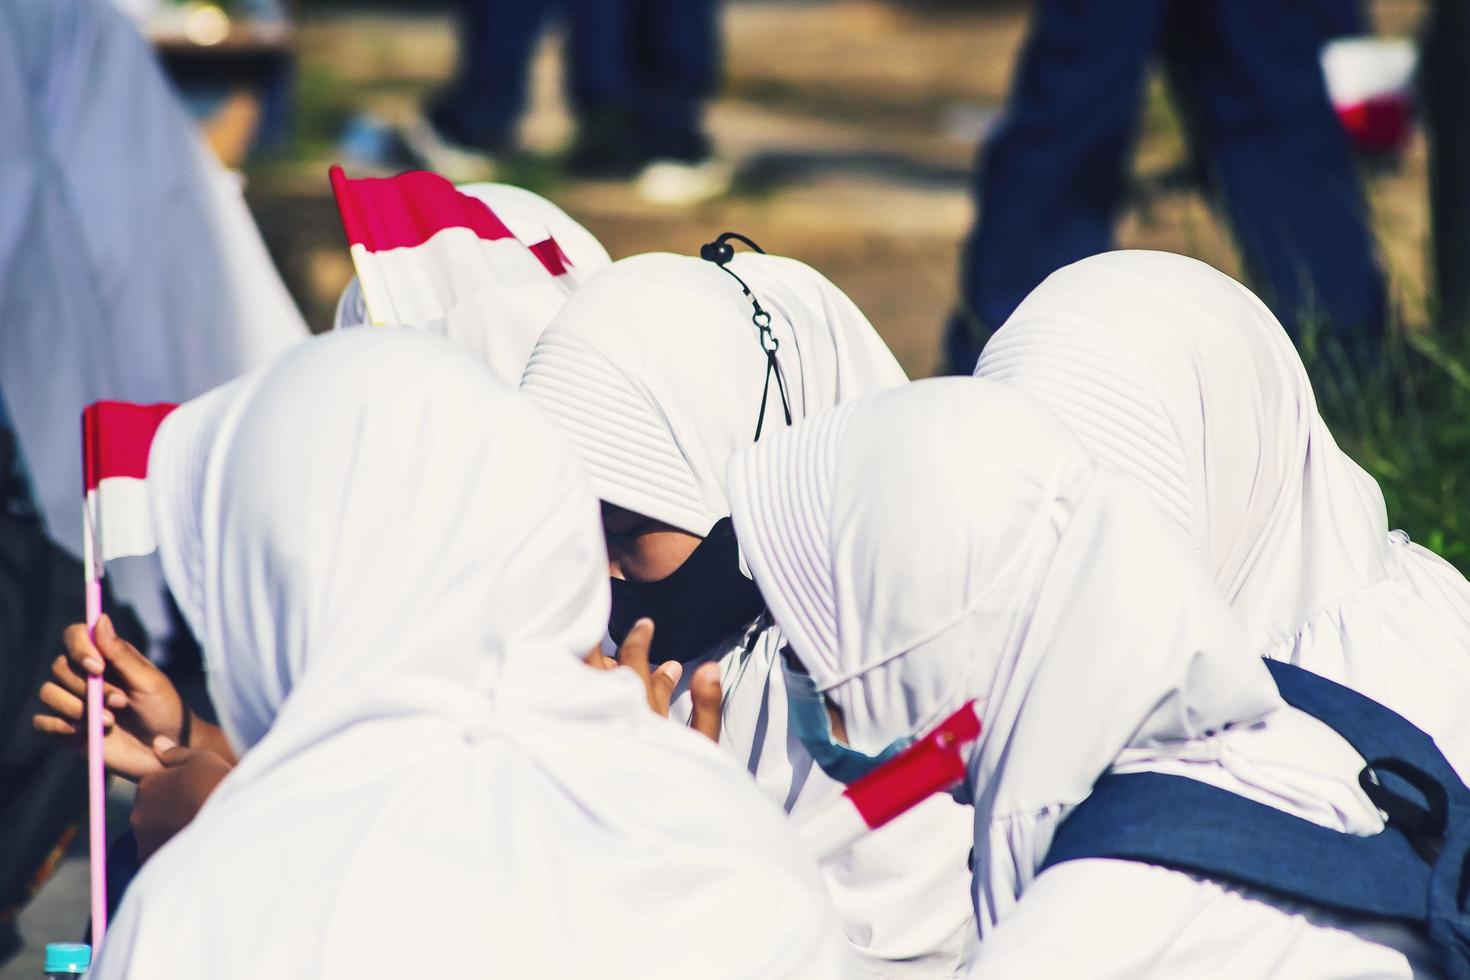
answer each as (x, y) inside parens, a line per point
(116, 437)
(380, 213)
(551, 256)
(935, 762)
(1381, 124)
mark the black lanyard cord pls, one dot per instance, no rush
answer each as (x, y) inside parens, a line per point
(720, 251)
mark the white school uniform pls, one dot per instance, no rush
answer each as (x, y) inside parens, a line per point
(394, 565)
(655, 371)
(1177, 376)
(951, 541)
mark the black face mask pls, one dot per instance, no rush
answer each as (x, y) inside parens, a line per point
(706, 599)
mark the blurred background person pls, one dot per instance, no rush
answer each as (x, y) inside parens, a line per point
(231, 63)
(130, 269)
(638, 73)
(1247, 79)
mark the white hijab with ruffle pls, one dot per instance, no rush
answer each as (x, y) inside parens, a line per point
(655, 371)
(394, 566)
(1177, 376)
(951, 541)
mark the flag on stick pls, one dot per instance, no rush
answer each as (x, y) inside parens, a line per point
(116, 437)
(932, 764)
(420, 246)
(1370, 81)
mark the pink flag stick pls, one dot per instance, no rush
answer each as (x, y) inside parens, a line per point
(96, 774)
(933, 763)
(116, 437)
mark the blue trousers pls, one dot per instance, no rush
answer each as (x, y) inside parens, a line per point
(654, 60)
(1247, 78)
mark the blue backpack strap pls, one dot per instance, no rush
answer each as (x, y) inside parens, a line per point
(1181, 823)
(1416, 871)
(1375, 731)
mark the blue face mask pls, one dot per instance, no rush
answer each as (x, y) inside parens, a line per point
(809, 723)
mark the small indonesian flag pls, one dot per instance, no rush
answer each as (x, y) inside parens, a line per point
(116, 522)
(932, 764)
(1370, 81)
(420, 246)
(116, 437)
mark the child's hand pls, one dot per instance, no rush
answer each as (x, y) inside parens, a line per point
(704, 687)
(142, 703)
(170, 796)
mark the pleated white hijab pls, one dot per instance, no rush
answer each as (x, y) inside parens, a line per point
(951, 541)
(394, 564)
(655, 372)
(500, 322)
(1179, 377)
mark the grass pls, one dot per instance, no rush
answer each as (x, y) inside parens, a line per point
(1406, 421)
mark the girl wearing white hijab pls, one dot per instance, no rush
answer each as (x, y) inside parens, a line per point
(501, 321)
(1179, 377)
(130, 266)
(950, 541)
(657, 372)
(393, 601)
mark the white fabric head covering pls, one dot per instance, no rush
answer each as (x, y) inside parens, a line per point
(949, 541)
(1179, 377)
(393, 600)
(130, 267)
(655, 369)
(500, 322)
(532, 218)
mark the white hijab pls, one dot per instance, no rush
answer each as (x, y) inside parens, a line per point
(1179, 377)
(950, 541)
(130, 267)
(499, 323)
(654, 370)
(393, 600)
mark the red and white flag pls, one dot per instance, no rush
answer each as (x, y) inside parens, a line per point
(116, 437)
(116, 522)
(1370, 81)
(420, 246)
(931, 765)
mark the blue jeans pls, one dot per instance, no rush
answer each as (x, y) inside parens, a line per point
(655, 61)
(1247, 77)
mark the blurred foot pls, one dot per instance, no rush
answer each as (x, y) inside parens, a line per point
(685, 182)
(434, 150)
(606, 148)
(371, 147)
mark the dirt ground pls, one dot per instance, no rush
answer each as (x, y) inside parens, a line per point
(852, 124)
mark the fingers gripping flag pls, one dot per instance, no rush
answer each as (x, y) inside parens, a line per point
(420, 246)
(116, 437)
